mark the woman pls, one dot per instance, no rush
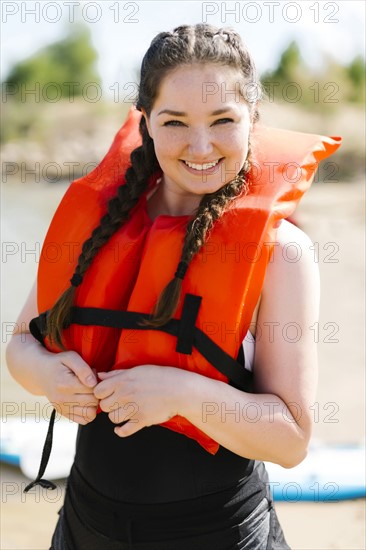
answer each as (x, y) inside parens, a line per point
(200, 484)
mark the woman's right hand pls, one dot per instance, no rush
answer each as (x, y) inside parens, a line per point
(69, 386)
(64, 378)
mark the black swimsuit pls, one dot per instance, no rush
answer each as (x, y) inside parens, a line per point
(160, 490)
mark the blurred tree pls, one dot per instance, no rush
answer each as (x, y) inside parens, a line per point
(290, 69)
(356, 72)
(289, 64)
(295, 82)
(61, 69)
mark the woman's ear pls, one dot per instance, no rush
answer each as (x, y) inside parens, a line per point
(147, 121)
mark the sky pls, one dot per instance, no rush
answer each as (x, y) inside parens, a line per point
(122, 30)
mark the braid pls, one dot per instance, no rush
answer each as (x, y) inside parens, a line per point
(211, 207)
(143, 165)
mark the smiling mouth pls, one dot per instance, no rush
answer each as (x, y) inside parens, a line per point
(201, 167)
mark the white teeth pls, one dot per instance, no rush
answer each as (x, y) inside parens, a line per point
(201, 166)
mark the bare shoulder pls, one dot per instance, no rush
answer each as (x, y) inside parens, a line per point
(292, 275)
(290, 233)
(293, 260)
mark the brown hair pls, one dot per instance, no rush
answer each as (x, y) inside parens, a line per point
(186, 44)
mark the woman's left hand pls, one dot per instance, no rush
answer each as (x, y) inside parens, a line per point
(139, 396)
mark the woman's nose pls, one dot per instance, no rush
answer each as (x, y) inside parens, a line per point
(200, 145)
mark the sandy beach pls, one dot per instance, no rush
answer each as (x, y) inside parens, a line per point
(332, 214)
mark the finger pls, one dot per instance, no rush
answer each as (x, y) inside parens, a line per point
(79, 419)
(89, 413)
(118, 417)
(85, 401)
(128, 428)
(70, 383)
(80, 368)
(104, 389)
(77, 407)
(103, 375)
(80, 389)
(123, 413)
(109, 404)
(80, 410)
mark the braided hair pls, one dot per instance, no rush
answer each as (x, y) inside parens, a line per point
(185, 45)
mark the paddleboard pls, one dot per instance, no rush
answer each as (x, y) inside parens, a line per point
(22, 440)
(328, 474)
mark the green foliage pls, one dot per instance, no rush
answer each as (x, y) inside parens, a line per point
(289, 64)
(293, 81)
(63, 68)
(356, 72)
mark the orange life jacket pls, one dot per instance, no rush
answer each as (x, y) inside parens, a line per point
(223, 282)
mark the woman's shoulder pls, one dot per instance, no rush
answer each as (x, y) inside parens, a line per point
(292, 247)
(293, 267)
(290, 234)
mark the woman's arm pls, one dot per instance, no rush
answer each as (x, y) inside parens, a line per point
(64, 378)
(274, 424)
(25, 355)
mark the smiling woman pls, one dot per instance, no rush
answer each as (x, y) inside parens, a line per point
(206, 137)
(146, 353)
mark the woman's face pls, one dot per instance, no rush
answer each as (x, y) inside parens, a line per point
(200, 126)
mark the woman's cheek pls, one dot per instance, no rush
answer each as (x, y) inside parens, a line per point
(239, 146)
(169, 147)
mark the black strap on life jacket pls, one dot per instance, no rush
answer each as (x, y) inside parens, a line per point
(187, 323)
(184, 329)
(47, 447)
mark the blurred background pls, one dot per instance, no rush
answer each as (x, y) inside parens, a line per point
(69, 74)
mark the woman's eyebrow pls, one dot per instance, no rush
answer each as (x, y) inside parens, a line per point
(173, 113)
(180, 113)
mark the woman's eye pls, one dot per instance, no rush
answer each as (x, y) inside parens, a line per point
(180, 123)
(223, 120)
(173, 123)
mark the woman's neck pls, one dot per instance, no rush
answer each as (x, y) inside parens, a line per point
(161, 201)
